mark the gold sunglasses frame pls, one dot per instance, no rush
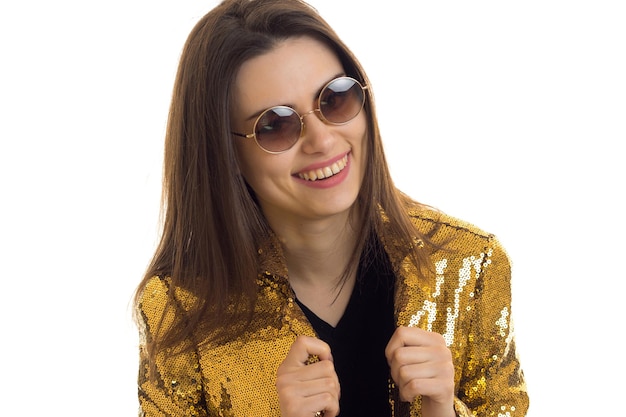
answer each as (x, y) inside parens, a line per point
(301, 117)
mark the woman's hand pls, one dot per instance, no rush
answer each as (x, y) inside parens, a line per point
(421, 364)
(305, 385)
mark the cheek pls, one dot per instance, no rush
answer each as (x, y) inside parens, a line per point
(363, 146)
(362, 135)
(251, 176)
(245, 160)
(258, 169)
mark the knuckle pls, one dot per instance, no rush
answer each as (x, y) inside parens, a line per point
(282, 387)
(281, 369)
(449, 369)
(414, 387)
(396, 356)
(438, 337)
(327, 366)
(327, 397)
(388, 353)
(403, 331)
(407, 394)
(333, 384)
(404, 374)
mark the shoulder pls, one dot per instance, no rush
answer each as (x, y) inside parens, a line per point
(160, 300)
(425, 218)
(153, 301)
(454, 234)
(154, 288)
(155, 293)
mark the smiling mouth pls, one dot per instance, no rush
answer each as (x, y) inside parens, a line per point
(326, 172)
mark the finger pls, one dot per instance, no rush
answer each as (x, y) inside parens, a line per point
(443, 370)
(305, 383)
(324, 400)
(306, 349)
(437, 389)
(297, 395)
(311, 388)
(328, 404)
(418, 354)
(300, 374)
(417, 362)
(412, 336)
(429, 387)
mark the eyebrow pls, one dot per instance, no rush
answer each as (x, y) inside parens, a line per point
(258, 113)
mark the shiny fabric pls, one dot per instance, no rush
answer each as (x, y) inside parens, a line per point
(466, 298)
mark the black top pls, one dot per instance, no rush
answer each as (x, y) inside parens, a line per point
(359, 340)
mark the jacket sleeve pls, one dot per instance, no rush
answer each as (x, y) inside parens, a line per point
(492, 382)
(173, 386)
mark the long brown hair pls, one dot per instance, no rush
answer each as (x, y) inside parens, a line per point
(212, 226)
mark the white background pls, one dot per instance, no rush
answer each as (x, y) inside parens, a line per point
(510, 115)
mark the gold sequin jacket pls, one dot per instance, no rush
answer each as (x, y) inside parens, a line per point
(467, 300)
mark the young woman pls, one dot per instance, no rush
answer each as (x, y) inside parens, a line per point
(292, 278)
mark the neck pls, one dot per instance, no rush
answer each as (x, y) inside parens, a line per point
(321, 260)
(318, 252)
(318, 255)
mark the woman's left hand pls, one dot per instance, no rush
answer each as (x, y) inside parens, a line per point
(421, 364)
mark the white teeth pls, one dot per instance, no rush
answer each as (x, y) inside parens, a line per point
(326, 172)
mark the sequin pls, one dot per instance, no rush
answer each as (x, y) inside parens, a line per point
(467, 300)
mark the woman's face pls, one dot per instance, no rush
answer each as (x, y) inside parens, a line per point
(292, 75)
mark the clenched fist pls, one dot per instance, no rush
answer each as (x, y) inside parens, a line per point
(421, 364)
(305, 386)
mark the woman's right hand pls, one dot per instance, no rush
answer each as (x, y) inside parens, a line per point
(306, 386)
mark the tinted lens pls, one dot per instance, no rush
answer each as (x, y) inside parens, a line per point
(277, 129)
(341, 100)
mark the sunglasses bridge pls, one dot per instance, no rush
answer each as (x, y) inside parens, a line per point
(320, 116)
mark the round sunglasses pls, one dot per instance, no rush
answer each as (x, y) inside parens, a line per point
(278, 128)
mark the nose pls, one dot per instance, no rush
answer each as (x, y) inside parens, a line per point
(316, 136)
